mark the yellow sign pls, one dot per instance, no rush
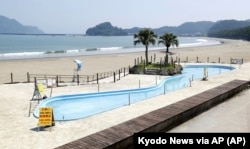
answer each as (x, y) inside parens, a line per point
(40, 88)
(45, 116)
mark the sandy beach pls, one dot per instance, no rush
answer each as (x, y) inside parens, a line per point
(105, 63)
(18, 130)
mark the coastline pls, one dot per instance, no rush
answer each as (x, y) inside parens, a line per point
(19, 130)
(93, 64)
(125, 46)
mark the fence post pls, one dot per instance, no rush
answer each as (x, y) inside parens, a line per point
(57, 81)
(208, 59)
(119, 74)
(35, 81)
(30, 109)
(51, 91)
(28, 77)
(160, 65)
(114, 77)
(219, 60)
(187, 59)
(197, 59)
(97, 78)
(78, 80)
(124, 71)
(135, 61)
(11, 78)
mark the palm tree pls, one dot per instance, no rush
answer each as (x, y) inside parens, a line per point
(168, 39)
(146, 37)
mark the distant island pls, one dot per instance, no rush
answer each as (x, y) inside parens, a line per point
(232, 29)
(105, 29)
(11, 26)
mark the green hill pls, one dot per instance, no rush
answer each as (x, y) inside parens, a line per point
(186, 29)
(241, 33)
(11, 26)
(105, 29)
(228, 25)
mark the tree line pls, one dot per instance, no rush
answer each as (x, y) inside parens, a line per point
(242, 33)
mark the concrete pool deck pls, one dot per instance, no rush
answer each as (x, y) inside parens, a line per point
(16, 125)
(160, 120)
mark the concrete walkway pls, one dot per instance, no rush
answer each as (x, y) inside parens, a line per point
(232, 115)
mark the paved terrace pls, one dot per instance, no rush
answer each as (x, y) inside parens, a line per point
(160, 120)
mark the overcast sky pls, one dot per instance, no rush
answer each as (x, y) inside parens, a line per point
(76, 16)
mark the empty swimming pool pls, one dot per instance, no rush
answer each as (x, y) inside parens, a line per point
(76, 106)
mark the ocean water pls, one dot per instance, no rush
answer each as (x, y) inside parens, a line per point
(41, 46)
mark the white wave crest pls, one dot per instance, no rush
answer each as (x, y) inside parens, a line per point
(110, 48)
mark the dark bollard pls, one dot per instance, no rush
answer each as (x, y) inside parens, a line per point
(28, 77)
(57, 81)
(11, 78)
(97, 78)
(78, 80)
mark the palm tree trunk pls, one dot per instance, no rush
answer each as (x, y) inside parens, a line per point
(146, 55)
(166, 59)
(167, 51)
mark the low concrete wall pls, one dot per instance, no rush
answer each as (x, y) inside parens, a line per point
(161, 120)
